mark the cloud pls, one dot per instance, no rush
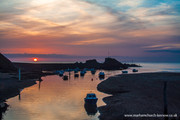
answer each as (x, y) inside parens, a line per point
(160, 51)
(173, 48)
(130, 3)
(38, 55)
(88, 26)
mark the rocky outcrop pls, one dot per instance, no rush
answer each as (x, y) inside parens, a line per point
(92, 64)
(6, 65)
(113, 64)
(141, 94)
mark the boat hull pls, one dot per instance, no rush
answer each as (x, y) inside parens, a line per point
(76, 75)
(91, 109)
(101, 76)
(60, 75)
(91, 101)
(65, 77)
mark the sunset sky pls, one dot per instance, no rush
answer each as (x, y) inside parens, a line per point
(129, 28)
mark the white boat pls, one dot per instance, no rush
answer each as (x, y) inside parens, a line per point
(124, 72)
(91, 98)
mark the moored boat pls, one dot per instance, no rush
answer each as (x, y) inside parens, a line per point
(91, 98)
(85, 70)
(75, 71)
(93, 71)
(65, 77)
(61, 73)
(82, 73)
(134, 70)
(76, 75)
(101, 75)
(124, 72)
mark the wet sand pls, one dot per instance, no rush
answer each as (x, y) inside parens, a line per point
(10, 86)
(144, 93)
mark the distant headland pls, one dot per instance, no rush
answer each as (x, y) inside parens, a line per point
(108, 64)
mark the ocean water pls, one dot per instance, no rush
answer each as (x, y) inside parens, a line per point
(57, 99)
(159, 67)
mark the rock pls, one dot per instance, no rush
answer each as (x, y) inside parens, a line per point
(92, 64)
(113, 64)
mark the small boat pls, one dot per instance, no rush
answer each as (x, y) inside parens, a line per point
(91, 98)
(134, 70)
(61, 73)
(69, 70)
(93, 71)
(101, 75)
(65, 77)
(124, 72)
(85, 69)
(76, 75)
(82, 73)
(75, 71)
(56, 72)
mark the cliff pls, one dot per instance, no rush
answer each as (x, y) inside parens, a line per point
(6, 65)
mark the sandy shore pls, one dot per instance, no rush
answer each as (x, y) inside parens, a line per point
(141, 94)
(10, 85)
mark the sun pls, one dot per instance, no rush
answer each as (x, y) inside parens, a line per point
(35, 59)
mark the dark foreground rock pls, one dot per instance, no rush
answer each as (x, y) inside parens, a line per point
(6, 65)
(11, 87)
(141, 94)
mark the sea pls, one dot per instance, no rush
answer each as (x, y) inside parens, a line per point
(58, 99)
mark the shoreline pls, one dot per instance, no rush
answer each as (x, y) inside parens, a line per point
(10, 86)
(141, 93)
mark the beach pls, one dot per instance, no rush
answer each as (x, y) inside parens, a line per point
(10, 86)
(144, 95)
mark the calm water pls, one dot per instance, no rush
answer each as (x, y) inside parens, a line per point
(56, 99)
